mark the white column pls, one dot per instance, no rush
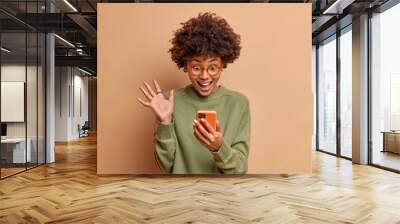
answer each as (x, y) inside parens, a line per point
(360, 90)
(50, 100)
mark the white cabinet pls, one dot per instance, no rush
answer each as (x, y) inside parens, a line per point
(17, 148)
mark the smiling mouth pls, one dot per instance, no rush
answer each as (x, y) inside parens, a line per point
(205, 86)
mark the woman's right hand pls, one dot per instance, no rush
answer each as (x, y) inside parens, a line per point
(162, 107)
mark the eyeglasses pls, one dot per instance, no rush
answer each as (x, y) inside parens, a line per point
(212, 70)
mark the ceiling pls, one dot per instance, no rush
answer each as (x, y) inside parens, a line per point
(76, 22)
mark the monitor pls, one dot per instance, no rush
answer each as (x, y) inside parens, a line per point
(3, 129)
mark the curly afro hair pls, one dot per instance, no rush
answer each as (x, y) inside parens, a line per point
(208, 35)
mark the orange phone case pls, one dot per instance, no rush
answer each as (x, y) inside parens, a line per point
(210, 116)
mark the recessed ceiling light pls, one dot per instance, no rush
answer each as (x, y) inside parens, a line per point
(64, 40)
(71, 6)
(84, 71)
(5, 50)
(337, 7)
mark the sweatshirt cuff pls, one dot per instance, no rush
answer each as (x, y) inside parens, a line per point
(223, 153)
(164, 131)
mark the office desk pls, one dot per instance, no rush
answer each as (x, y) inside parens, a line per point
(13, 150)
(391, 141)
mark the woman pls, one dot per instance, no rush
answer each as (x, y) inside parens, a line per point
(203, 47)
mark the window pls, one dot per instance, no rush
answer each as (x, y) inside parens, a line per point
(346, 93)
(385, 88)
(327, 95)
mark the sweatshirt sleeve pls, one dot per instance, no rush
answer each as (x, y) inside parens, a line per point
(165, 146)
(232, 159)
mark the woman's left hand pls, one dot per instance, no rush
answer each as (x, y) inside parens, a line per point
(207, 136)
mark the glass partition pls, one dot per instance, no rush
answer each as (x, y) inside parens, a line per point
(385, 89)
(41, 107)
(31, 100)
(327, 95)
(14, 153)
(22, 89)
(346, 93)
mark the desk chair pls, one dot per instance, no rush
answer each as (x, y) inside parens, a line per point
(84, 130)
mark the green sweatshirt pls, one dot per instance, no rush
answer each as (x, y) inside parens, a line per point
(178, 151)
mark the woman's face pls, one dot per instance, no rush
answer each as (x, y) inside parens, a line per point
(204, 73)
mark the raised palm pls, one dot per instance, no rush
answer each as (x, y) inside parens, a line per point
(162, 107)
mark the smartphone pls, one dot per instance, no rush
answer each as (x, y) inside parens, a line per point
(210, 116)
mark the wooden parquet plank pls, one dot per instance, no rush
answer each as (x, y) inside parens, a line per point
(70, 191)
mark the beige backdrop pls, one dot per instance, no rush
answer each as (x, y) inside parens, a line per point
(273, 71)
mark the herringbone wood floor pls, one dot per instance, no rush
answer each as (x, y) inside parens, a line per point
(69, 191)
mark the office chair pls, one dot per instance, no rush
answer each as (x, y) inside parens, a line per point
(84, 130)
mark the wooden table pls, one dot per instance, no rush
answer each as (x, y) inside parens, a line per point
(391, 141)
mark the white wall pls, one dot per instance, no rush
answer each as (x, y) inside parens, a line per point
(71, 93)
(62, 81)
(81, 103)
(13, 101)
(12, 73)
(33, 127)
